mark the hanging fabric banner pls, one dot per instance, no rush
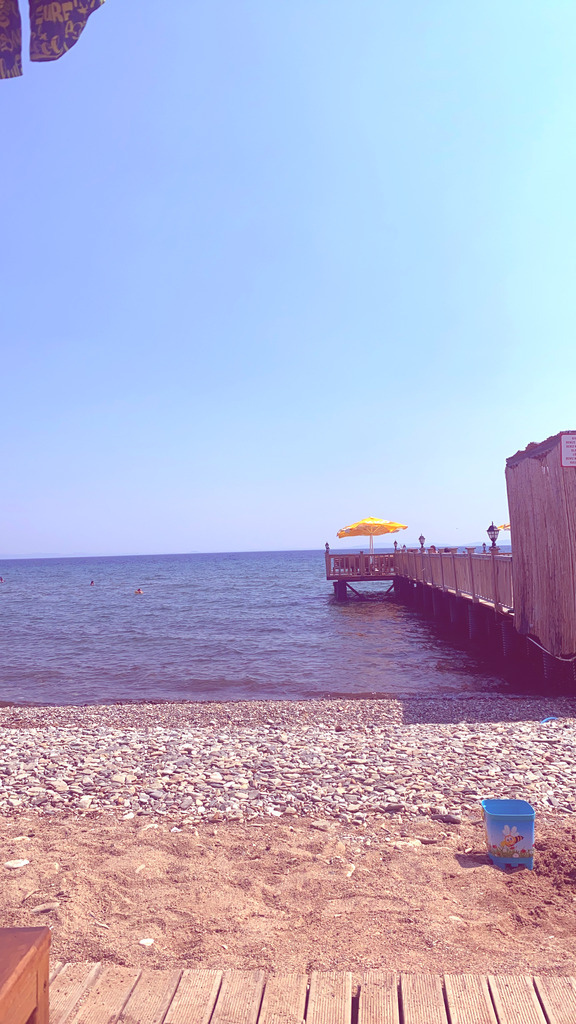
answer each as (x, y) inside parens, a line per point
(54, 28)
(10, 39)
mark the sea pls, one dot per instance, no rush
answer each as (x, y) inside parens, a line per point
(217, 627)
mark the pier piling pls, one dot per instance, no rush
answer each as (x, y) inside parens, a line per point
(476, 624)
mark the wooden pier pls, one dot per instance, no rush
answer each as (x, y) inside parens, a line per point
(98, 994)
(530, 595)
(480, 578)
(344, 570)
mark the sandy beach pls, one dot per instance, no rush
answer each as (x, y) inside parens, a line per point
(313, 834)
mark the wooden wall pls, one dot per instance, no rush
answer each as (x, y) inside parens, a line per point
(542, 504)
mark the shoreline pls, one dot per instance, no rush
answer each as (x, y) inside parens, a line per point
(446, 708)
(344, 760)
(328, 835)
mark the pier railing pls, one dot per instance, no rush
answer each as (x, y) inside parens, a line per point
(485, 578)
(481, 578)
(359, 566)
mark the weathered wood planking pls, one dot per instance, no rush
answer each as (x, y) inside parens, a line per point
(486, 578)
(55, 967)
(468, 998)
(422, 999)
(151, 998)
(515, 1000)
(542, 503)
(68, 987)
(239, 998)
(378, 998)
(90, 994)
(359, 566)
(24, 975)
(107, 998)
(284, 999)
(558, 996)
(330, 998)
(195, 997)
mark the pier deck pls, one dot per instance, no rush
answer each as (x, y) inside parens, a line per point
(100, 994)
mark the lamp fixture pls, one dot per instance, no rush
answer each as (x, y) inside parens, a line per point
(493, 532)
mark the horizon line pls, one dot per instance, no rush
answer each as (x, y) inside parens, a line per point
(245, 551)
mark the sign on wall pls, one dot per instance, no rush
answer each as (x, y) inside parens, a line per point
(568, 449)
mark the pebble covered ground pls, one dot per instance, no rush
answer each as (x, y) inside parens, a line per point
(344, 759)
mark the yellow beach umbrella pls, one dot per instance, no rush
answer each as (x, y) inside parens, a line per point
(371, 527)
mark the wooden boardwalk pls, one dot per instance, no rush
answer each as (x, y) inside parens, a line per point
(100, 994)
(485, 579)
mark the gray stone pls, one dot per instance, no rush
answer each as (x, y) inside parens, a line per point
(60, 786)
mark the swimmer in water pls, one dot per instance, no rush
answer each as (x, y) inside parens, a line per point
(1, 579)
(139, 591)
(91, 583)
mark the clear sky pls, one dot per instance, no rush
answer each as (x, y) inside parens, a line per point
(271, 267)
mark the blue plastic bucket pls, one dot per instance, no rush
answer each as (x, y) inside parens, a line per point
(509, 832)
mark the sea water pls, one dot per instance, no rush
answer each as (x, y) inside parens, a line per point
(258, 625)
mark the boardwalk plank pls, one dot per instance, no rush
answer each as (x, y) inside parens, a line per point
(88, 994)
(558, 996)
(330, 998)
(55, 969)
(151, 997)
(378, 998)
(515, 1000)
(107, 997)
(195, 997)
(68, 988)
(239, 997)
(423, 999)
(469, 999)
(284, 999)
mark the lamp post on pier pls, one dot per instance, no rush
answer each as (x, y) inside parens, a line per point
(422, 538)
(493, 532)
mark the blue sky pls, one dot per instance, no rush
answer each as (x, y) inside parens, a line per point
(269, 268)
